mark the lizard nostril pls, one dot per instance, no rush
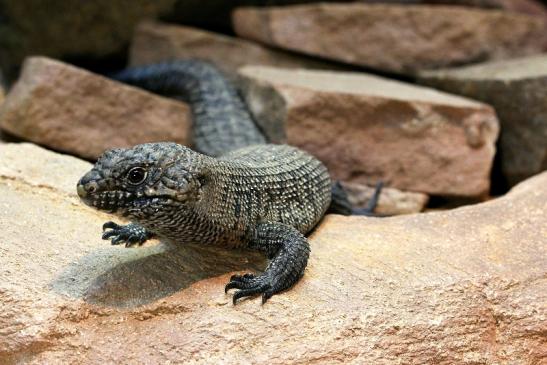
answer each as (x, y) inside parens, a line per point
(85, 189)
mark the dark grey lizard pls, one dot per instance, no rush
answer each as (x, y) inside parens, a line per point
(237, 191)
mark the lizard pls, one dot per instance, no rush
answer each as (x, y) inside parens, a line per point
(233, 190)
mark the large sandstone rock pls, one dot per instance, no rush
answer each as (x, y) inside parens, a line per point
(395, 38)
(157, 42)
(530, 7)
(518, 91)
(73, 110)
(462, 286)
(366, 128)
(77, 30)
(52, 255)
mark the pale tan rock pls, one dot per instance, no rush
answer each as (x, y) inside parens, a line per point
(366, 128)
(461, 286)
(517, 89)
(391, 201)
(73, 110)
(52, 254)
(529, 7)
(155, 42)
(394, 38)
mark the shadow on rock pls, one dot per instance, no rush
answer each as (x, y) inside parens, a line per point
(128, 278)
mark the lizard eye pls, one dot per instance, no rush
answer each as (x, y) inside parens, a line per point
(136, 175)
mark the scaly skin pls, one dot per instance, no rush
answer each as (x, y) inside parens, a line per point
(263, 197)
(222, 122)
(241, 192)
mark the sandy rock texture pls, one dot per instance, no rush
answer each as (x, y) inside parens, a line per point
(391, 201)
(394, 38)
(52, 256)
(466, 286)
(517, 89)
(156, 42)
(530, 7)
(58, 28)
(73, 110)
(366, 128)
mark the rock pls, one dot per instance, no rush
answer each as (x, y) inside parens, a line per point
(517, 89)
(52, 255)
(93, 30)
(366, 128)
(75, 111)
(461, 286)
(394, 38)
(391, 201)
(529, 7)
(215, 14)
(157, 42)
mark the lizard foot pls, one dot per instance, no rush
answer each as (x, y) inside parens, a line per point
(250, 284)
(130, 234)
(288, 251)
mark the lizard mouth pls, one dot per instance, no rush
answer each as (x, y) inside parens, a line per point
(124, 202)
(109, 201)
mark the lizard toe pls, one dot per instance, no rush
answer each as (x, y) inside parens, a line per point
(257, 289)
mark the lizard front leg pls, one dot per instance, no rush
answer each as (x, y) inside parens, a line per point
(131, 234)
(288, 251)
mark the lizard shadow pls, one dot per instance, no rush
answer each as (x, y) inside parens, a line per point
(128, 278)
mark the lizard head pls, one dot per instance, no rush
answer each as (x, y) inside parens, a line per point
(146, 177)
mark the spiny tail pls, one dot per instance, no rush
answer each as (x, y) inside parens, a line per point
(221, 121)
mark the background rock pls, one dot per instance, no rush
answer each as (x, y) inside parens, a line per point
(70, 29)
(530, 7)
(366, 128)
(73, 110)
(462, 286)
(157, 42)
(391, 201)
(517, 89)
(394, 38)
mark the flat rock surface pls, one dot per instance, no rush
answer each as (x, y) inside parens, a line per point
(73, 110)
(461, 286)
(156, 42)
(394, 38)
(517, 89)
(391, 201)
(366, 128)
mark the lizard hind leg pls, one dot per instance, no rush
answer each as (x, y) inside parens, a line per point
(288, 251)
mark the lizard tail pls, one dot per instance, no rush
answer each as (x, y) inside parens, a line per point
(221, 121)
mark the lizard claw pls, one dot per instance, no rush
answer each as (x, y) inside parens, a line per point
(130, 234)
(249, 285)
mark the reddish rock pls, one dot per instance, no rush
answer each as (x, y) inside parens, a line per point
(394, 38)
(366, 128)
(517, 89)
(529, 7)
(391, 201)
(461, 286)
(73, 110)
(157, 42)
